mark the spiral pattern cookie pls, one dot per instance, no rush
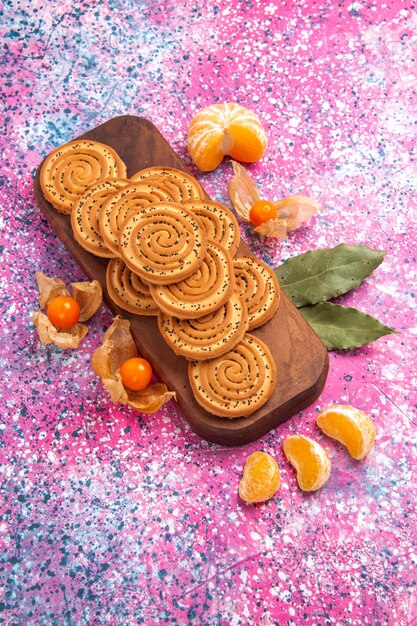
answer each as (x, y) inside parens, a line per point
(237, 383)
(128, 291)
(180, 185)
(207, 289)
(259, 287)
(163, 243)
(69, 170)
(220, 223)
(208, 336)
(86, 212)
(128, 200)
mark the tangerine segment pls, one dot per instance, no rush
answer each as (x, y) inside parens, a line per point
(261, 478)
(350, 426)
(226, 128)
(310, 459)
(246, 145)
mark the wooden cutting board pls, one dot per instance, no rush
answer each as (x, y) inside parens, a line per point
(301, 358)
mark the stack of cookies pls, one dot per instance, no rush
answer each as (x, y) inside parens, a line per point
(173, 254)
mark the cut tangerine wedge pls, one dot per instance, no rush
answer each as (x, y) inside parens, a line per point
(261, 478)
(225, 129)
(310, 460)
(349, 426)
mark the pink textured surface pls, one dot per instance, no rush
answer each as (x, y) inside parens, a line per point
(109, 517)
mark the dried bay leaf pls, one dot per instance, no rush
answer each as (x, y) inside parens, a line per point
(341, 328)
(325, 273)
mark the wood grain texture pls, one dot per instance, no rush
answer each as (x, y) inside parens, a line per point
(302, 360)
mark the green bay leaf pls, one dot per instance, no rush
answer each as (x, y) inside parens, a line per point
(341, 328)
(325, 273)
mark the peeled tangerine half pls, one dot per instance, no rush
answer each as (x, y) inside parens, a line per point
(310, 459)
(261, 478)
(350, 426)
(226, 128)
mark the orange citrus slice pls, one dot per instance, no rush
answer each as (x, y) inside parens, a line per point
(350, 426)
(310, 459)
(261, 478)
(226, 128)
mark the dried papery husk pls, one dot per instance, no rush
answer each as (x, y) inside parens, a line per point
(296, 210)
(89, 296)
(243, 191)
(49, 288)
(64, 339)
(272, 228)
(150, 399)
(119, 346)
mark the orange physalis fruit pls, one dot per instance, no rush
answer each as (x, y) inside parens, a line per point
(225, 129)
(262, 211)
(136, 373)
(261, 478)
(350, 426)
(63, 312)
(310, 460)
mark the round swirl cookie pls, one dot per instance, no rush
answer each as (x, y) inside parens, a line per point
(207, 289)
(86, 213)
(180, 185)
(259, 287)
(120, 205)
(220, 223)
(208, 336)
(237, 383)
(163, 243)
(68, 171)
(128, 291)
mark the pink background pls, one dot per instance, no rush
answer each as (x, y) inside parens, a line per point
(110, 517)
